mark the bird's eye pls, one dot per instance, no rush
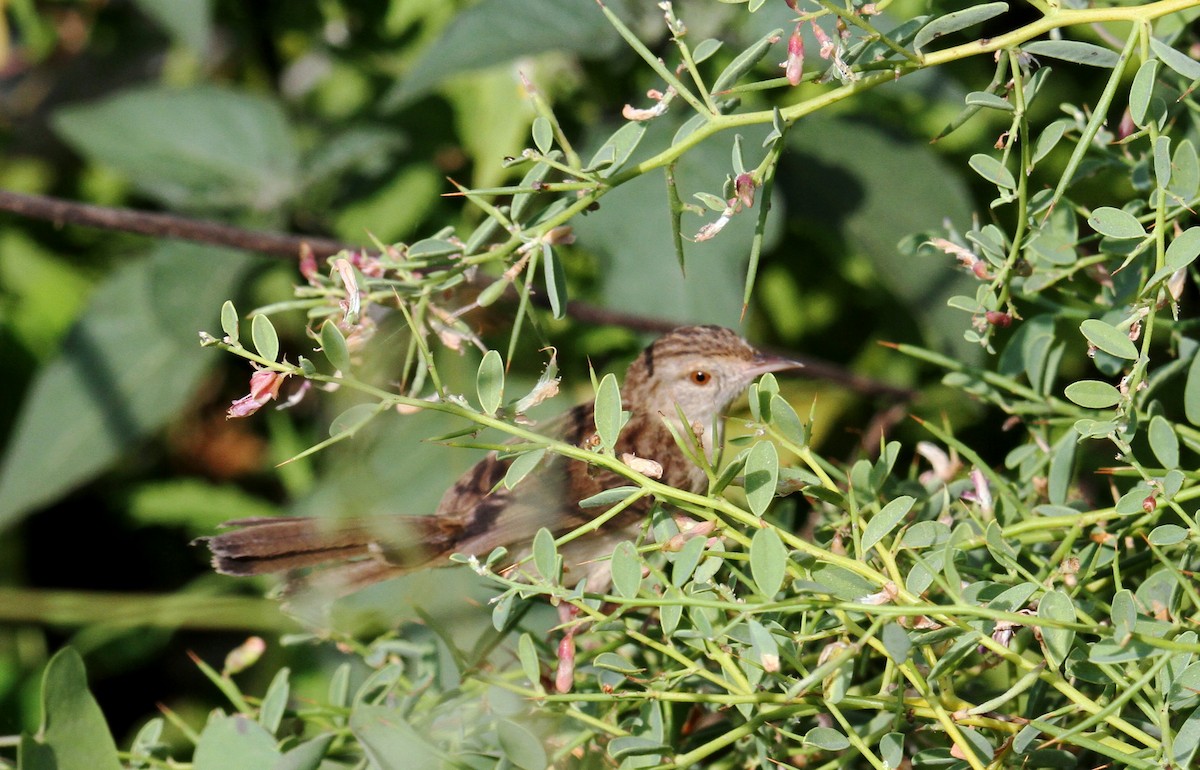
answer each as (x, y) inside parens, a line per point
(701, 377)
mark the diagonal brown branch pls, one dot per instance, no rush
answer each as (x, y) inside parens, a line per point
(287, 246)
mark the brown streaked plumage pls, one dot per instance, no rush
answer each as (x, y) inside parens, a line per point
(699, 369)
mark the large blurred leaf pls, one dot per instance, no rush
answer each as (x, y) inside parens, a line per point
(632, 232)
(73, 725)
(234, 743)
(389, 741)
(188, 21)
(496, 31)
(129, 364)
(875, 188)
(202, 147)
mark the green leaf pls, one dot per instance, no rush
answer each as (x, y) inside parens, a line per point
(556, 281)
(705, 49)
(896, 642)
(520, 746)
(545, 555)
(1175, 59)
(353, 419)
(955, 21)
(527, 653)
(1116, 223)
(1184, 249)
(306, 756)
(229, 322)
(827, 738)
(1141, 91)
(617, 149)
(493, 32)
(1191, 396)
(1187, 740)
(1107, 338)
(992, 170)
(686, 560)
(1167, 534)
(1093, 394)
(234, 743)
(1056, 605)
(200, 147)
(389, 742)
(1163, 442)
(1185, 178)
(1162, 161)
(745, 61)
(333, 345)
(786, 421)
(884, 522)
(1074, 51)
(1049, 138)
(626, 570)
(608, 415)
(73, 725)
(1124, 615)
(187, 21)
(543, 134)
(127, 367)
(608, 497)
(989, 101)
(891, 750)
(761, 476)
(521, 466)
(266, 341)
(489, 381)
(768, 562)
(270, 713)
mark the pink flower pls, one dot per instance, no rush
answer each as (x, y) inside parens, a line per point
(264, 387)
(794, 66)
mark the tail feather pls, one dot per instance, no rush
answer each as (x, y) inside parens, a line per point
(263, 545)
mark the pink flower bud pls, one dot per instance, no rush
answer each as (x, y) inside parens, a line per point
(264, 387)
(996, 318)
(794, 66)
(564, 676)
(743, 189)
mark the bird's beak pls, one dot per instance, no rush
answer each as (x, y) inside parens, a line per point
(764, 363)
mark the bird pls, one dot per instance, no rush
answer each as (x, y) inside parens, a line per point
(692, 374)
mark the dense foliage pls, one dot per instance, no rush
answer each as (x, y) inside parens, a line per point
(1002, 194)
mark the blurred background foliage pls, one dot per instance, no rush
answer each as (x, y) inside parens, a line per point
(345, 120)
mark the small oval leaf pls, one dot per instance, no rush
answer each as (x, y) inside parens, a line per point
(266, 341)
(885, 521)
(1093, 394)
(333, 345)
(608, 411)
(1074, 51)
(768, 561)
(1163, 442)
(489, 381)
(1108, 338)
(626, 570)
(545, 555)
(1116, 223)
(761, 476)
(229, 322)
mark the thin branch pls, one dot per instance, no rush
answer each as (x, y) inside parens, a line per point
(62, 212)
(287, 246)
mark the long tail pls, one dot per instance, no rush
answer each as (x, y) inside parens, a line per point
(347, 554)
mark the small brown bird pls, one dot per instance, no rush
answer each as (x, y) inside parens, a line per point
(699, 369)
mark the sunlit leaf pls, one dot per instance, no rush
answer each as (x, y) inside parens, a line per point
(489, 381)
(1093, 394)
(768, 561)
(761, 476)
